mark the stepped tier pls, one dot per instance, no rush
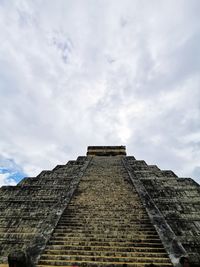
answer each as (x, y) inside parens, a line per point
(105, 223)
(34, 206)
(106, 209)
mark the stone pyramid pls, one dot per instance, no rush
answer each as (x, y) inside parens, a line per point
(104, 209)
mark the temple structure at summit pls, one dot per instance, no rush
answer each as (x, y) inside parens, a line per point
(103, 209)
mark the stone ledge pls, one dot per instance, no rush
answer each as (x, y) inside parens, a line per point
(106, 150)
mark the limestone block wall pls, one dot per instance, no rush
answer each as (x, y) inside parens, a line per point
(177, 198)
(30, 210)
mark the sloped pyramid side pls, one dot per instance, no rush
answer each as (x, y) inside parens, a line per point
(30, 211)
(105, 223)
(178, 199)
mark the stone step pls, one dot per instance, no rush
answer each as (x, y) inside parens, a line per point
(104, 264)
(112, 260)
(14, 229)
(148, 243)
(102, 228)
(98, 221)
(85, 236)
(106, 253)
(110, 216)
(106, 211)
(118, 232)
(102, 207)
(118, 217)
(136, 247)
(113, 223)
(136, 258)
(16, 235)
(142, 223)
(14, 240)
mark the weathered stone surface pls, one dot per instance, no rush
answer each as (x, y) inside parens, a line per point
(178, 199)
(100, 210)
(106, 150)
(105, 223)
(30, 210)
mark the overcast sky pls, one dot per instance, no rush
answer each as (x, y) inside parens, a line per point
(99, 72)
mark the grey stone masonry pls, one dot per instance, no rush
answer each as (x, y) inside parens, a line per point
(178, 200)
(30, 210)
(106, 150)
(105, 223)
(106, 209)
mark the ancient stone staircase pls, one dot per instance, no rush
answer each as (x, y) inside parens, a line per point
(33, 206)
(105, 223)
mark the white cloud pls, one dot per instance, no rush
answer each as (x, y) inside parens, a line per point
(5, 180)
(78, 73)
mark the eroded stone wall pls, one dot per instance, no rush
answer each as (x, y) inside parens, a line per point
(178, 199)
(30, 210)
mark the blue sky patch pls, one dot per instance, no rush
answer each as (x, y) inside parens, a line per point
(11, 170)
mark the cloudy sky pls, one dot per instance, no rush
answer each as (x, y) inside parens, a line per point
(75, 73)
